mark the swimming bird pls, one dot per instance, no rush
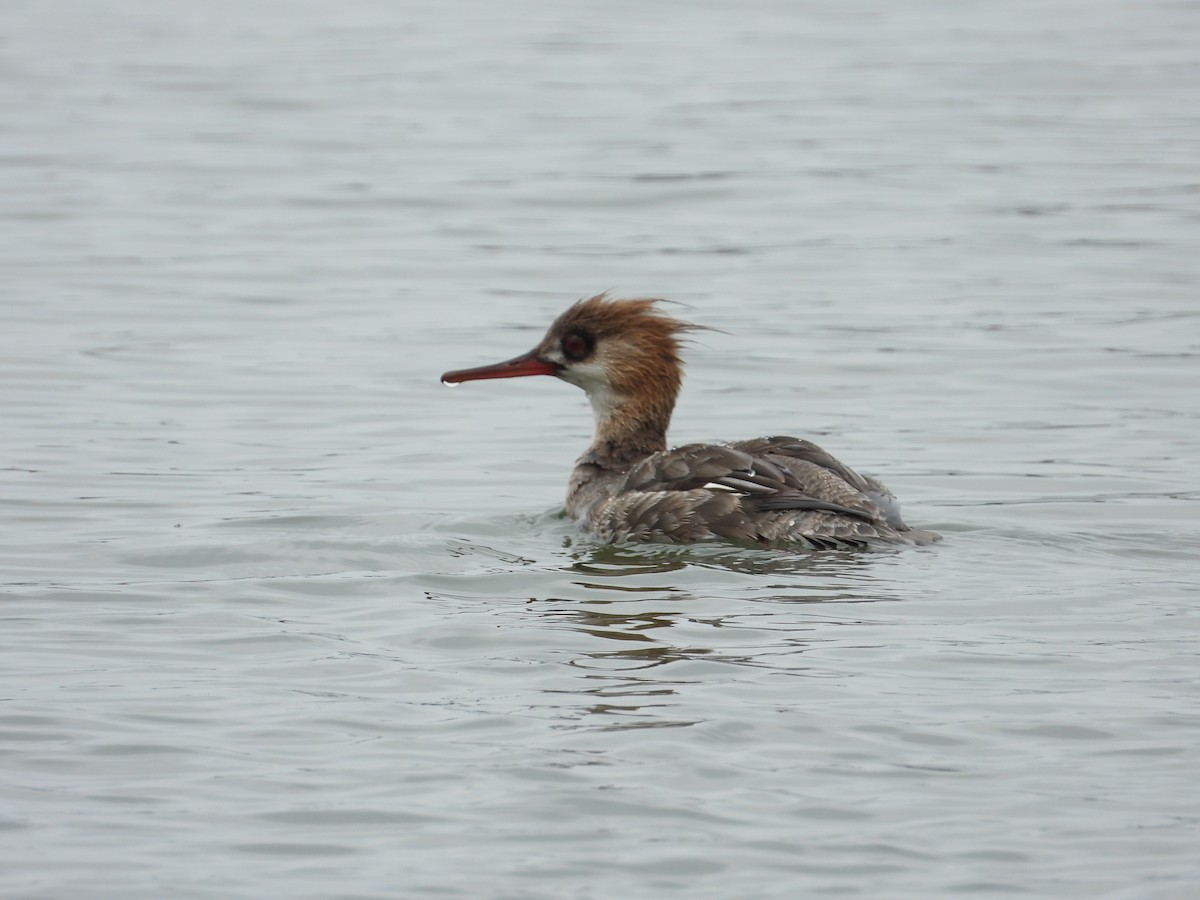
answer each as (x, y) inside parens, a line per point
(628, 487)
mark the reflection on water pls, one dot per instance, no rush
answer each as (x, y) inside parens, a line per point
(653, 620)
(821, 575)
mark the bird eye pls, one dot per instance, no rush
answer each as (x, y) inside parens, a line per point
(576, 346)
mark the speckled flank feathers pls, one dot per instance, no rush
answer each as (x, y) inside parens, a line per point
(627, 487)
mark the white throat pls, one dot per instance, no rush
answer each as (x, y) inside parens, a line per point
(604, 403)
(592, 377)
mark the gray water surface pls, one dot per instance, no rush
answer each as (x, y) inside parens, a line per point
(284, 617)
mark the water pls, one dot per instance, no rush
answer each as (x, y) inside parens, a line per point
(285, 617)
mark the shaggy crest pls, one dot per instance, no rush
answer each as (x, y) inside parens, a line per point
(638, 320)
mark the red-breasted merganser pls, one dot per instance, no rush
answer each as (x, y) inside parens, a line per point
(771, 491)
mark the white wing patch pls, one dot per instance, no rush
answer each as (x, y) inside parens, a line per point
(736, 485)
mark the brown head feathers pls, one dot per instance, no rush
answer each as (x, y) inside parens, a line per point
(626, 355)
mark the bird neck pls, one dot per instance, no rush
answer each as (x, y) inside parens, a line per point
(628, 428)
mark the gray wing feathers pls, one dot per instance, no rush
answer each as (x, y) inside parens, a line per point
(688, 467)
(774, 490)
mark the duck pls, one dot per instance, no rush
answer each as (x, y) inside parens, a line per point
(628, 487)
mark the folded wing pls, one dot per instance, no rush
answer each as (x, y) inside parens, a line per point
(770, 491)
